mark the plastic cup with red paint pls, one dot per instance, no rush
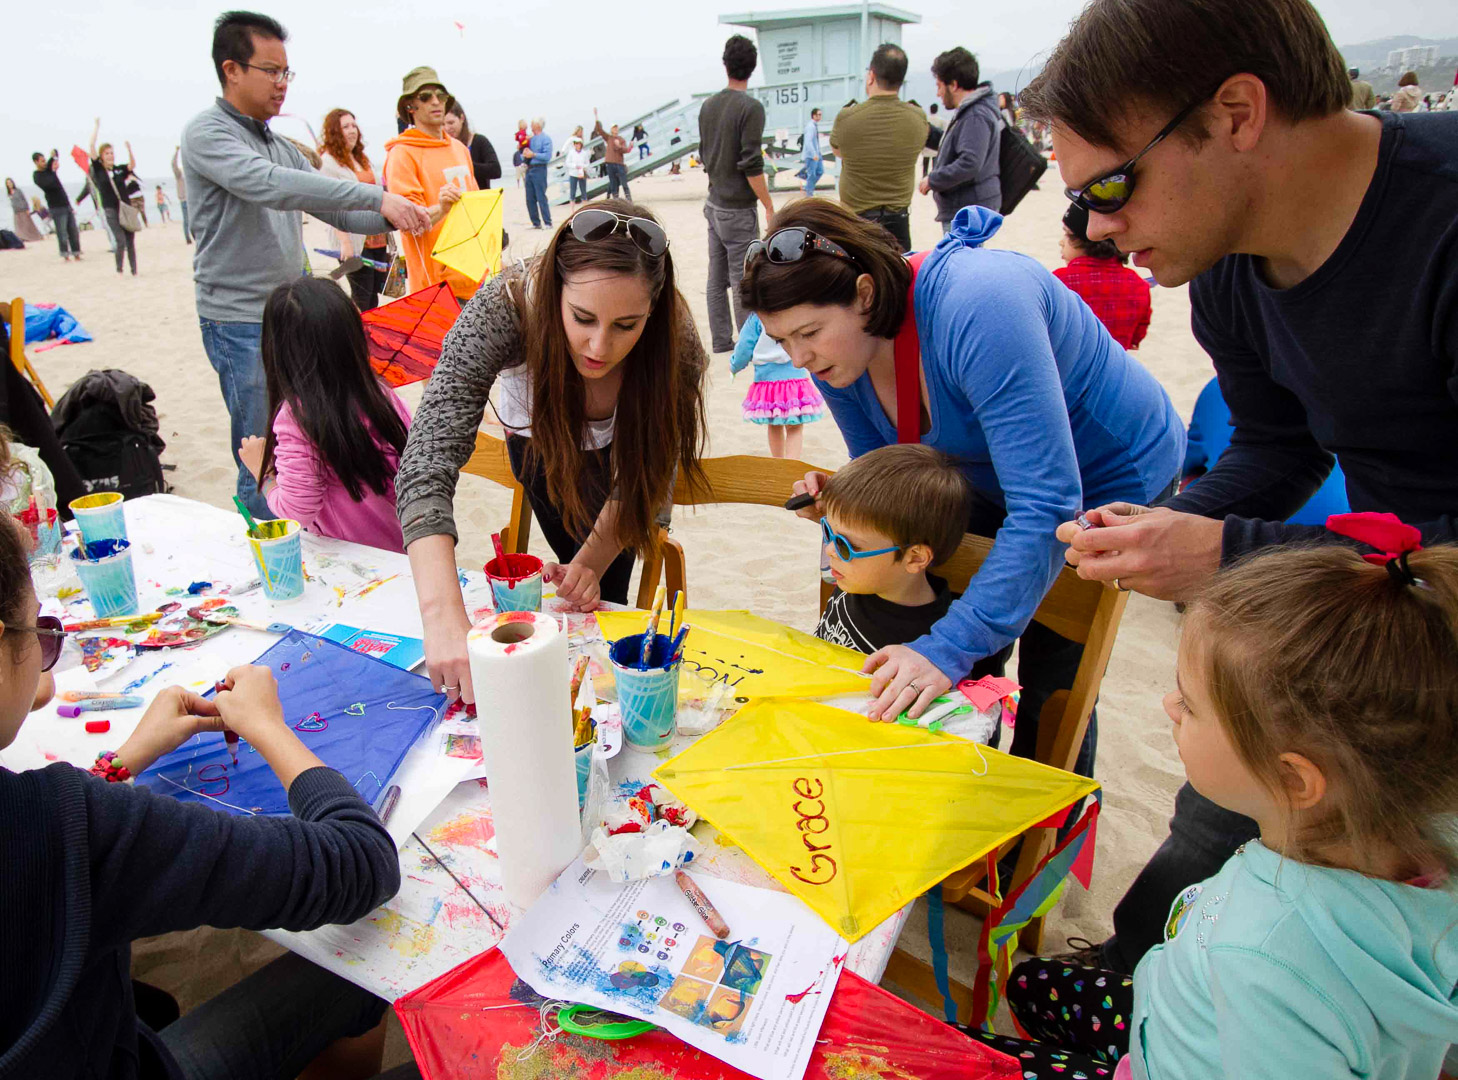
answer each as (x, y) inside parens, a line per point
(516, 582)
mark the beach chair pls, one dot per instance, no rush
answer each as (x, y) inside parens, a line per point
(1087, 612)
(743, 478)
(489, 459)
(14, 317)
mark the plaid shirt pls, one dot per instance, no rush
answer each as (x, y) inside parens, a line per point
(1115, 293)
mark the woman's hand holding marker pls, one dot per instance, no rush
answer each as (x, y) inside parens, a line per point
(577, 585)
(904, 681)
(174, 716)
(811, 485)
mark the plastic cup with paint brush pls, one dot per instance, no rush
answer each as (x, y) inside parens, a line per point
(105, 570)
(100, 516)
(278, 553)
(647, 696)
(515, 579)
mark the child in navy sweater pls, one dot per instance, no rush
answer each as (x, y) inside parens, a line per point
(89, 863)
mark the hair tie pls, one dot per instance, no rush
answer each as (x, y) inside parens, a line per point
(1386, 532)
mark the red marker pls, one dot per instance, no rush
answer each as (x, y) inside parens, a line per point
(230, 737)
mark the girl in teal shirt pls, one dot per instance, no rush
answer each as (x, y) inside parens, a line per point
(1318, 694)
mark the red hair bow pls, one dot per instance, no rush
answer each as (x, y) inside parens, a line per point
(1385, 532)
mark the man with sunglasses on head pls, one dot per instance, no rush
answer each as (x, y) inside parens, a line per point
(246, 189)
(1322, 256)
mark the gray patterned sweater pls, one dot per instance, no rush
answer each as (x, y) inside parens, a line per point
(484, 342)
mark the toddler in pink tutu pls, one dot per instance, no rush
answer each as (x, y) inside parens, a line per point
(782, 396)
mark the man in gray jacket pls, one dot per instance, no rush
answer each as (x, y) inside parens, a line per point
(246, 189)
(967, 168)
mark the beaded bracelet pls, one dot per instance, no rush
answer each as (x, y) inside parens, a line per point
(107, 768)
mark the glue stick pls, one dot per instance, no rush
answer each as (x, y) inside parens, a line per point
(126, 701)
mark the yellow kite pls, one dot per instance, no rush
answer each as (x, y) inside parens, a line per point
(470, 240)
(857, 818)
(756, 657)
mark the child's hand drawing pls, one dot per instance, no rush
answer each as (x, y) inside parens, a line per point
(174, 716)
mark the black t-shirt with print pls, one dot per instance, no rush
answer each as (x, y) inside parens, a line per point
(865, 622)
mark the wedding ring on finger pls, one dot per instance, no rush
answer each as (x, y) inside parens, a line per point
(449, 689)
(913, 687)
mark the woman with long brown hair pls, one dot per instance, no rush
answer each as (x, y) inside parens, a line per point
(342, 148)
(601, 372)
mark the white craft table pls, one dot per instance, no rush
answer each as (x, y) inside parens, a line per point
(450, 901)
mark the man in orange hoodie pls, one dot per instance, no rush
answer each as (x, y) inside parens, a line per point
(431, 169)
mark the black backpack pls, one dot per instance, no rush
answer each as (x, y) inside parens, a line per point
(1020, 166)
(108, 428)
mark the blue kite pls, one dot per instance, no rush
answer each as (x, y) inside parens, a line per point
(359, 715)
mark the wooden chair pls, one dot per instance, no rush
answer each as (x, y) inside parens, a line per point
(490, 460)
(1087, 612)
(14, 317)
(742, 478)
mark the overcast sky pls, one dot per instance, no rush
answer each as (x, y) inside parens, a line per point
(144, 67)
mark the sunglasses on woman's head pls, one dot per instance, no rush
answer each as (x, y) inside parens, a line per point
(590, 226)
(1110, 192)
(844, 549)
(49, 633)
(793, 244)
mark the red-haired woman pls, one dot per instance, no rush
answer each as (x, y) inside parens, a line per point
(342, 149)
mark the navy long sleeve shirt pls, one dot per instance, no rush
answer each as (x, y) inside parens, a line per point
(1358, 363)
(88, 867)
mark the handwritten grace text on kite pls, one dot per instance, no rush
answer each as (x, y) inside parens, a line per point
(813, 825)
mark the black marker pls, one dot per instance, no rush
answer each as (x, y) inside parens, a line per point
(799, 502)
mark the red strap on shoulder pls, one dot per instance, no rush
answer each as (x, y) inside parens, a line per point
(908, 364)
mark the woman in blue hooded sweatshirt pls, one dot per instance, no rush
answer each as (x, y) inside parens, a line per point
(1020, 383)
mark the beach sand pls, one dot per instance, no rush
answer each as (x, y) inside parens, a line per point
(746, 557)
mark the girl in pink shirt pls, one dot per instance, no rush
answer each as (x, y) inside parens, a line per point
(337, 430)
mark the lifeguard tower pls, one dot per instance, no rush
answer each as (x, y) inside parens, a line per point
(816, 57)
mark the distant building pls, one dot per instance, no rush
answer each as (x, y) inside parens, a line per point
(1412, 58)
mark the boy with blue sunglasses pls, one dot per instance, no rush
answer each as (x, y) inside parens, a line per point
(890, 516)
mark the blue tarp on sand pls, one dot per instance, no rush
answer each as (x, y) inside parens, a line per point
(46, 321)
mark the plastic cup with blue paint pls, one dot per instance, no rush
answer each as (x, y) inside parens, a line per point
(100, 516)
(647, 699)
(516, 585)
(105, 570)
(278, 553)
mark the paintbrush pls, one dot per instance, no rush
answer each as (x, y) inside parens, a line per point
(676, 619)
(252, 525)
(652, 631)
(114, 620)
(500, 553)
(203, 615)
(675, 647)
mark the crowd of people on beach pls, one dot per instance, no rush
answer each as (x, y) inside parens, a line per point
(1298, 920)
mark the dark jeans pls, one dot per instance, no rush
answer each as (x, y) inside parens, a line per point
(272, 1024)
(538, 208)
(617, 177)
(1202, 837)
(1047, 662)
(64, 219)
(576, 188)
(731, 231)
(895, 222)
(126, 243)
(366, 282)
(234, 351)
(594, 482)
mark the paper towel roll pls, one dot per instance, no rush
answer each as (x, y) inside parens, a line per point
(519, 670)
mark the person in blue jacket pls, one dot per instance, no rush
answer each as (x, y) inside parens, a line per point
(1020, 383)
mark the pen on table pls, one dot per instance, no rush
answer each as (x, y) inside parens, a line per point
(90, 695)
(125, 701)
(387, 804)
(700, 903)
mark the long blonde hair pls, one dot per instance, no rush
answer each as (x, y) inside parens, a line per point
(1318, 652)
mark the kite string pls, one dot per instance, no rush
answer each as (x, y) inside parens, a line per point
(201, 795)
(865, 750)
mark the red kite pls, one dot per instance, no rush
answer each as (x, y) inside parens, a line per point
(406, 336)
